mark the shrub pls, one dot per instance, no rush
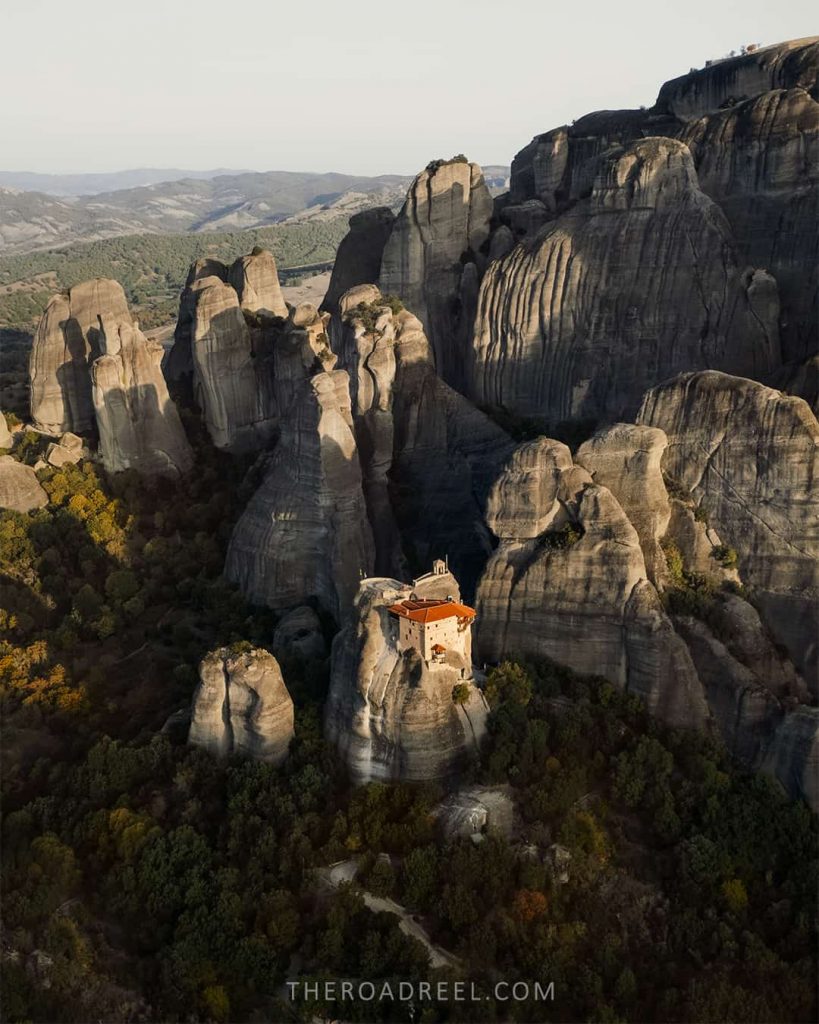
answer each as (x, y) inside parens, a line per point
(460, 693)
(727, 557)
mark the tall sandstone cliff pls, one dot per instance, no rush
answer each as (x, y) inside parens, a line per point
(305, 534)
(91, 366)
(575, 579)
(636, 282)
(751, 125)
(428, 456)
(431, 257)
(750, 457)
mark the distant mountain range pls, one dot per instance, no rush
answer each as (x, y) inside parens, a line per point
(31, 220)
(66, 185)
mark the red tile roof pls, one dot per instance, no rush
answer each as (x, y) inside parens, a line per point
(432, 611)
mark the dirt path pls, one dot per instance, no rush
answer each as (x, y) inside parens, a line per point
(344, 871)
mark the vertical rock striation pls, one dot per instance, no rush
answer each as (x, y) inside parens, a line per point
(750, 457)
(242, 706)
(390, 712)
(636, 282)
(440, 230)
(305, 534)
(90, 367)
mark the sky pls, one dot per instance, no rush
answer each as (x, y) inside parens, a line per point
(357, 86)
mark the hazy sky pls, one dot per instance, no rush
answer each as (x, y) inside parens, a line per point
(354, 85)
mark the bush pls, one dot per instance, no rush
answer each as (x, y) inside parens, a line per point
(727, 557)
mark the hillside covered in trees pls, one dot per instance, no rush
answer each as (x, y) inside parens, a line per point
(144, 880)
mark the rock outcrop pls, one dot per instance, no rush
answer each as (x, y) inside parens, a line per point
(6, 439)
(428, 456)
(139, 426)
(728, 81)
(90, 367)
(392, 713)
(751, 125)
(178, 362)
(224, 373)
(439, 233)
(627, 460)
(242, 706)
(305, 533)
(66, 343)
(256, 282)
(299, 633)
(568, 581)
(358, 260)
(750, 457)
(20, 489)
(634, 283)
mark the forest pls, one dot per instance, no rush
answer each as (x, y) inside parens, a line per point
(151, 268)
(143, 880)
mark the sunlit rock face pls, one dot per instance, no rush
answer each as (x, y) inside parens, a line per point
(242, 706)
(390, 710)
(66, 342)
(750, 123)
(433, 257)
(635, 282)
(91, 367)
(750, 457)
(568, 581)
(576, 580)
(20, 489)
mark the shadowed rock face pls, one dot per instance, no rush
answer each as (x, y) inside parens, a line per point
(178, 363)
(633, 284)
(242, 706)
(428, 457)
(65, 344)
(389, 712)
(760, 161)
(238, 411)
(305, 531)
(782, 66)
(440, 230)
(20, 489)
(750, 457)
(358, 260)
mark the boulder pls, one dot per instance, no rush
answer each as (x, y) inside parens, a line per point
(242, 706)
(299, 633)
(576, 321)
(442, 226)
(20, 489)
(391, 713)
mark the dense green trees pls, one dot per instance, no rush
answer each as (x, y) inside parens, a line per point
(145, 880)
